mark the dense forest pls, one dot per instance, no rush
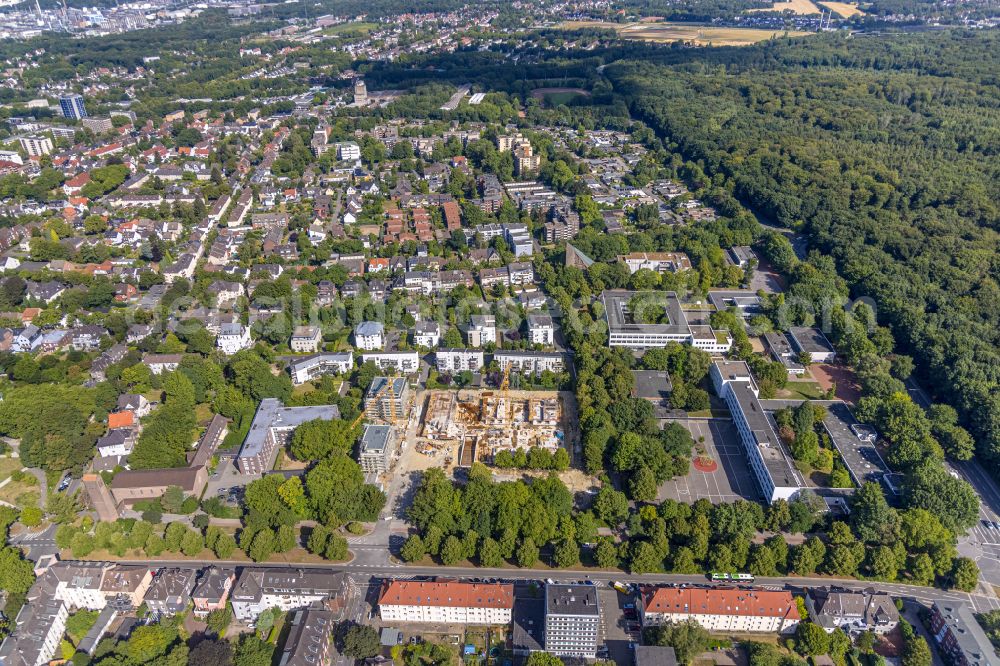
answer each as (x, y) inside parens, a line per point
(884, 154)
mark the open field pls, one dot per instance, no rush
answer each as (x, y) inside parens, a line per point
(360, 28)
(795, 6)
(845, 9)
(8, 465)
(557, 96)
(664, 33)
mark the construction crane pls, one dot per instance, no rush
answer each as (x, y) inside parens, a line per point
(390, 382)
(505, 396)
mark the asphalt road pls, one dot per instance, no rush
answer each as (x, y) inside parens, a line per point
(362, 569)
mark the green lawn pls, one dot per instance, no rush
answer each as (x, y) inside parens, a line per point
(9, 465)
(795, 390)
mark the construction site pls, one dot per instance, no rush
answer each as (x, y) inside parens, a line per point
(484, 423)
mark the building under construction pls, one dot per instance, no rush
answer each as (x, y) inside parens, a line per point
(387, 399)
(486, 422)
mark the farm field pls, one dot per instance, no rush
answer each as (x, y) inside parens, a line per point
(801, 7)
(679, 32)
(845, 9)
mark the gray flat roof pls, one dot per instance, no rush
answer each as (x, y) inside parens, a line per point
(652, 384)
(322, 357)
(528, 619)
(655, 655)
(375, 438)
(771, 449)
(272, 414)
(571, 600)
(810, 339)
(861, 458)
(620, 319)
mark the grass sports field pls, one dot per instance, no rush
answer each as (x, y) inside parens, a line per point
(557, 96)
(681, 32)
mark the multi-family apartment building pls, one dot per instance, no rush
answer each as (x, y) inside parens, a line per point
(37, 632)
(572, 620)
(458, 360)
(308, 368)
(720, 609)
(170, 591)
(369, 335)
(287, 589)
(541, 329)
(446, 602)
(310, 639)
(387, 398)
(530, 362)
(305, 339)
(482, 330)
(402, 362)
(375, 448)
(852, 610)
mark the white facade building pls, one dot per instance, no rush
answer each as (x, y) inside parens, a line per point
(427, 334)
(721, 610)
(402, 362)
(233, 338)
(541, 330)
(369, 335)
(771, 465)
(530, 362)
(317, 365)
(306, 339)
(458, 360)
(287, 589)
(482, 330)
(446, 602)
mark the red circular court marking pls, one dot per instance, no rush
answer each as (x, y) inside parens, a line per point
(705, 464)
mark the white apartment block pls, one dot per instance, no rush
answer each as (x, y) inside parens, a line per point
(305, 369)
(541, 330)
(36, 146)
(233, 338)
(446, 602)
(287, 589)
(427, 334)
(402, 362)
(37, 633)
(458, 360)
(530, 362)
(79, 585)
(348, 151)
(721, 610)
(482, 330)
(369, 335)
(306, 339)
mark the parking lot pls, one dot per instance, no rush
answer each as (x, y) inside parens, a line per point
(621, 625)
(730, 482)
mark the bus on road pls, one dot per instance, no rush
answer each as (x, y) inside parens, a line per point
(731, 577)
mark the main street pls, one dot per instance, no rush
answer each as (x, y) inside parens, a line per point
(363, 569)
